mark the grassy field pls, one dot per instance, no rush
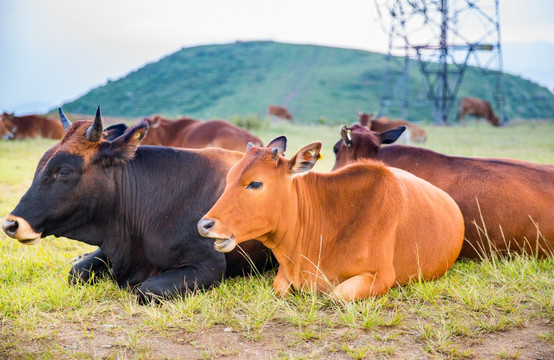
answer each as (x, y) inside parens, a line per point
(499, 308)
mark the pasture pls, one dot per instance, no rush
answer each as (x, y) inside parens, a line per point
(496, 308)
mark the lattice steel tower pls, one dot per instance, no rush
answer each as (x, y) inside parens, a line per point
(444, 37)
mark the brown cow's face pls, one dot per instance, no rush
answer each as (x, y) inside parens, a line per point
(358, 142)
(364, 118)
(70, 179)
(7, 127)
(256, 194)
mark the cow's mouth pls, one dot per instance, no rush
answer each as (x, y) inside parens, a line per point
(225, 245)
(19, 229)
(30, 241)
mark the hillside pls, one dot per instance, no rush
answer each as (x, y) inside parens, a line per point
(312, 81)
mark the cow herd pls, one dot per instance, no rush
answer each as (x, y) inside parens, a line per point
(172, 219)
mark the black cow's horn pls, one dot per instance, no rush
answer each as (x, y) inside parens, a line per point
(65, 121)
(94, 132)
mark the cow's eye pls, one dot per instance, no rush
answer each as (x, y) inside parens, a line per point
(63, 172)
(335, 150)
(254, 185)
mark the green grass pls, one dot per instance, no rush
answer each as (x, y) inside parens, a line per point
(475, 303)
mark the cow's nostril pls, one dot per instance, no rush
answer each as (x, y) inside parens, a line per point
(205, 225)
(10, 227)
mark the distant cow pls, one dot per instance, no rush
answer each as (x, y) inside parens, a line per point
(413, 133)
(355, 232)
(507, 200)
(194, 134)
(478, 108)
(30, 126)
(7, 129)
(138, 204)
(279, 111)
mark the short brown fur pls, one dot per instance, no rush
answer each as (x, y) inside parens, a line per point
(32, 126)
(356, 232)
(194, 134)
(478, 108)
(280, 112)
(507, 198)
(413, 133)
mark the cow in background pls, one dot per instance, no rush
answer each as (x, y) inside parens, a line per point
(194, 134)
(413, 133)
(280, 112)
(478, 108)
(30, 127)
(7, 129)
(138, 204)
(509, 202)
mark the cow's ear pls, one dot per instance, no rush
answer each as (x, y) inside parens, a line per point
(280, 143)
(123, 148)
(390, 136)
(305, 158)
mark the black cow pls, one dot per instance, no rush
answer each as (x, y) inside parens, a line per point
(138, 204)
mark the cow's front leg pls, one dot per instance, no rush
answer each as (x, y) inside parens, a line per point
(281, 285)
(92, 266)
(178, 281)
(365, 285)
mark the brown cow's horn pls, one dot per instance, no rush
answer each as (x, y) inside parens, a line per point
(345, 134)
(65, 121)
(94, 132)
(249, 145)
(275, 152)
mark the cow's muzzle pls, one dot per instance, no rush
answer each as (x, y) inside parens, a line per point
(18, 228)
(222, 243)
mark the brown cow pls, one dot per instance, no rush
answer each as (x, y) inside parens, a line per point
(478, 108)
(413, 133)
(355, 232)
(506, 200)
(279, 111)
(194, 134)
(7, 128)
(31, 126)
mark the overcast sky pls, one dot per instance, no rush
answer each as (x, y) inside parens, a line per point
(53, 51)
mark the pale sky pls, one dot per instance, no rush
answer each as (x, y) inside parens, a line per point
(53, 51)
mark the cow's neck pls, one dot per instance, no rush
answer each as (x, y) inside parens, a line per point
(307, 230)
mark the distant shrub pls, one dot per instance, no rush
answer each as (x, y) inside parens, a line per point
(250, 122)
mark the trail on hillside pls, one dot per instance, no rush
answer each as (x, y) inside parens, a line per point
(300, 75)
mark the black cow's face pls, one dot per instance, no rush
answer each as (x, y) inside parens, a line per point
(73, 182)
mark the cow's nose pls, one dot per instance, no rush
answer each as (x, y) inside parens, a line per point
(204, 226)
(10, 227)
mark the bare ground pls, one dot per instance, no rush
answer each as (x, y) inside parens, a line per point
(105, 338)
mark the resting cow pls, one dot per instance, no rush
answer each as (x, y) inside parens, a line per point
(193, 134)
(506, 200)
(138, 204)
(280, 112)
(478, 108)
(355, 232)
(413, 133)
(30, 126)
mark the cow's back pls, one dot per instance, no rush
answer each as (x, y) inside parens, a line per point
(218, 133)
(430, 230)
(502, 200)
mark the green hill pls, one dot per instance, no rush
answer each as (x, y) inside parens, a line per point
(312, 81)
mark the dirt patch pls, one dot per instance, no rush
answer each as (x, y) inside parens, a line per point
(103, 338)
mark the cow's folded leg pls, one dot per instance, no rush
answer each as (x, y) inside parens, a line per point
(92, 266)
(365, 285)
(178, 281)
